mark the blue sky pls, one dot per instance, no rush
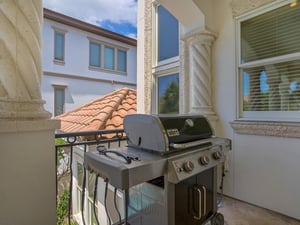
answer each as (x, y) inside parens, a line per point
(119, 16)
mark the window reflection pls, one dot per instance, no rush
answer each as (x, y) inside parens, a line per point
(168, 94)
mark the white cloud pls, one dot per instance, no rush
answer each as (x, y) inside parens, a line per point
(91, 11)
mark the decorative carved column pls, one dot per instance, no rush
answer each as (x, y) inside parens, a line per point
(20, 60)
(27, 152)
(197, 63)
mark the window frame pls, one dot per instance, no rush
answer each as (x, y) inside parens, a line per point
(62, 88)
(105, 66)
(90, 58)
(116, 48)
(287, 116)
(117, 61)
(165, 67)
(62, 32)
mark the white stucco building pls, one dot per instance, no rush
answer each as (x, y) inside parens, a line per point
(225, 72)
(82, 62)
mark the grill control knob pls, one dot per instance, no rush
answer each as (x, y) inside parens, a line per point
(204, 160)
(188, 166)
(217, 155)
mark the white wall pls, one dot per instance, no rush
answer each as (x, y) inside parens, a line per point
(77, 92)
(91, 83)
(263, 170)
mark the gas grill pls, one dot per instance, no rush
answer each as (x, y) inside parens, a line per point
(167, 173)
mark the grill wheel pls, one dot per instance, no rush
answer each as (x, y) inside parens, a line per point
(217, 219)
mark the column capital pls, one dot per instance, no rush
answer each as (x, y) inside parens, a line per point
(23, 110)
(200, 36)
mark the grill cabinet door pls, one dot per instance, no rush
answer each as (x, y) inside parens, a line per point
(194, 199)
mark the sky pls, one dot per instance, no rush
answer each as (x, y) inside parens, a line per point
(119, 16)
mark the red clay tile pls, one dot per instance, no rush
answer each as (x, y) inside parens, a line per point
(104, 113)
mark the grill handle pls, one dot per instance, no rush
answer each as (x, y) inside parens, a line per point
(200, 207)
(200, 202)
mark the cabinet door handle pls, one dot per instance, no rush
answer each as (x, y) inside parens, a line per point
(204, 200)
(200, 208)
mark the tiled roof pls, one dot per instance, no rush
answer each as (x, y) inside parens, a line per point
(104, 113)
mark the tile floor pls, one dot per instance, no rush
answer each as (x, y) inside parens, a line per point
(240, 213)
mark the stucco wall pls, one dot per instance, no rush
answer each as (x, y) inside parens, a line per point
(82, 84)
(262, 169)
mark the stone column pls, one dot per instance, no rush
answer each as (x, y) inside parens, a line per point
(197, 66)
(20, 60)
(27, 153)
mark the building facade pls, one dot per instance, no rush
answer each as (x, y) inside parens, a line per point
(82, 62)
(237, 62)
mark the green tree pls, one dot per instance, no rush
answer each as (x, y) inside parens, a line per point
(171, 99)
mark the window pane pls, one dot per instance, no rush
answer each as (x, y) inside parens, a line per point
(168, 36)
(79, 174)
(273, 87)
(92, 216)
(109, 58)
(168, 94)
(122, 60)
(59, 46)
(95, 54)
(91, 184)
(272, 34)
(59, 101)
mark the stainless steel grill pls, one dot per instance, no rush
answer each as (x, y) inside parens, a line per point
(168, 172)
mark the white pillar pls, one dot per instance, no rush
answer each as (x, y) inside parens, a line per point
(27, 153)
(197, 66)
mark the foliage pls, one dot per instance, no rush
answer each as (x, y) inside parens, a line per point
(63, 159)
(60, 153)
(62, 208)
(171, 99)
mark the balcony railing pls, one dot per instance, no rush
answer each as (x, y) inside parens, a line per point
(66, 145)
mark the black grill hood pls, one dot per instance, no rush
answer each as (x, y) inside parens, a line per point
(161, 132)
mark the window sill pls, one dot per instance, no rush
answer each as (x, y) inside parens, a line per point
(263, 128)
(94, 68)
(59, 62)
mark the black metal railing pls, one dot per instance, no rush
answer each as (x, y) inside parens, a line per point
(65, 143)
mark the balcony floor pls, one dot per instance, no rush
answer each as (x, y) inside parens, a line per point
(240, 213)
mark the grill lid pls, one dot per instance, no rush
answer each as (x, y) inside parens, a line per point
(164, 132)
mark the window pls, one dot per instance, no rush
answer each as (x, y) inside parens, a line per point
(59, 100)
(166, 62)
(59, 46)
(269, 64)
(95, 54)
(168, 94)
(122, 61)
(91, 186)
(79, 185)
(168, 39)
(107, 57)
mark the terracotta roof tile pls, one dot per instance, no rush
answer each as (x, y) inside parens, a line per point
(102, 113)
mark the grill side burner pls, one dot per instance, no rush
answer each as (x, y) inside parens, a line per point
(174, 179)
